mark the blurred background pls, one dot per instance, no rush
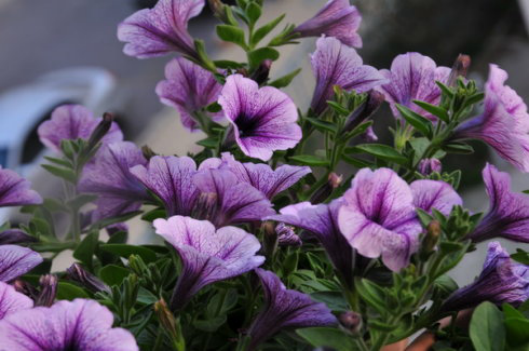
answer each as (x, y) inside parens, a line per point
(66, 51)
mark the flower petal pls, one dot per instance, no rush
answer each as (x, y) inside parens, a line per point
(16, 261)
(12, 301)
(15, 190)
(430, 194)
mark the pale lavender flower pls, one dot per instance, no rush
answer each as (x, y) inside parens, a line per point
(189, 88)
(501, 281)
(428, 166)
(161, 30)
(263, 120)
(413, 77)
(67, 325)
(15, 190)
(336, 64)
(109, 177)
(207, 255)
(322, 221)
(71, 122)
(15, 236)
(16, 261)
(285, 308)
(12, 301)
(337, 19)
(504, 124)
(508, 215)
(378, 217)
(434, 194)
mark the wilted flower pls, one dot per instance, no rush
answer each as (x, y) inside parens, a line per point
(161, 30)
(286, 236)
(351, 321)
(336, 64)
(501, 280)
(48, 290)
(15, 190)
(371, 105)
(208, 256)
(76, 273)
(430, 194)
(118, 190)
(413, 77)
(71, 122)
(428, 166)
(12, 301)
(15, 236)
(337, 19)
(263, 120)
(16, 261)
(508, 215)
(504, 124)
(285, 309)
(67, 325)
(189, 88)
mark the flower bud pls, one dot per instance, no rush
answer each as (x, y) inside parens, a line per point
(433, 232)
(116, 228)
(365, 110)
(351, 322)
(101, 130)
(16, 236)
(287, 236)
(48, 290)
(25, 288)
(459, 69)
(169, 323)
(429, 166)
(270, 239)
(86, 279)
(321, 194)
(261, 74)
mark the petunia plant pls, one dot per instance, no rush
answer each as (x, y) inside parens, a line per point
(289, 229)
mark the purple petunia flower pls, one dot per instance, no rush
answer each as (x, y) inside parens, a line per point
(161, 30)
(15, 190)
(285, 309)
(504, 124)
(336, 64)
(118, 190)
(337, 19)
(208, 256)
(12, 301)
(430, 194)
(67, 325)
(189, 88)
(428, 166)
(322, 221)
(508, 215)
(71, 122)
(16, 261)
(286, 236)
(263, 120)
(412, 77)
(501, 280)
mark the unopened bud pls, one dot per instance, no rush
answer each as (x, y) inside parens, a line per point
(270, 239)
(48, 290)
(459, 69)
(365, 110)
(16, 236)
(321, 194)
(86, 279)
(287, 236)
(370, 135)
(166, 318)
(429, 166)
(26, 289)
(351, 322)
(148, 153)
(433, 232)
(261, 74)
(101, 130)
(117, 228)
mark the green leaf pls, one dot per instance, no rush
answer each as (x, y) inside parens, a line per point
(521, 256)
(86, 249)
(434, 110)
(445, 89)
(210, 325)
(214, 107)
(124, 250)
(418, 122)
(487, 331)
(285, 80)
(310, 160)
(63, 173)
(459, 148)
(59, 161)
(328, 337)
(516, 327)
(113, 274)
(323, 126)
(228, 64)
(338, 108)
(200, 48)
(253, 12)
(67, 291)
(80, 200)
(356, 162)
(372, 294)
(154, 214)
(333, 299)
(208, 143)
(255, 57)
(383, 152)
(231, 34)
(263, 31)
(445, 285)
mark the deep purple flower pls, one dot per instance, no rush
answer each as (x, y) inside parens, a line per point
(118, 190)
(189, 88)
(412, 77)
(161, 30)
(16, 261)
(15, 190)
(76, 273)
(285, 309)
(322, 221)
(504, 124)
(67, 325)
(502, 280)
(208, 256)
(71, 122)
(337, 19)
(336, 64)
(428, 166)
(15, 236)
(430, 194)
(508, 215)
(263, 120)
(378, 217)
(12, 301)
(286, 236)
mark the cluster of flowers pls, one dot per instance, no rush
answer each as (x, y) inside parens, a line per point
(212, 212)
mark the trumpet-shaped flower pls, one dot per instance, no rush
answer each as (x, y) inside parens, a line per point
(501, 280)
(161, 30)
(67, 325)
(208, 256)
(333, 63)
(189, 88)
(434, 194)
(15, 190)
(336, 19)
(504, 123)
(12, 301)
(263, 119)
(16, 261)
(412, 77)
(285, 308)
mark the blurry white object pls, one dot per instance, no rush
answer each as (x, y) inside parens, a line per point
(524, 7)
